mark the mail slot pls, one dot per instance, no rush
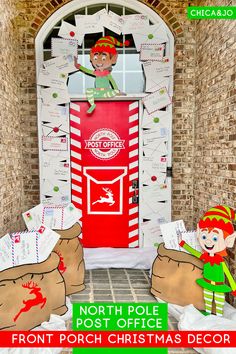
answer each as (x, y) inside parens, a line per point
(105, 190)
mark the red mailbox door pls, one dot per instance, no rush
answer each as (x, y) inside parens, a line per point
(104, 170)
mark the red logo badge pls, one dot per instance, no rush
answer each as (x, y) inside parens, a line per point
(104, 144)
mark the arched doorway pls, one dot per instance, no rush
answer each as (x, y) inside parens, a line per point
(61, 172)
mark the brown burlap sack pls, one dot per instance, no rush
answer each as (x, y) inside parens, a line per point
(174, 275)
(71, 265)
(30, 293)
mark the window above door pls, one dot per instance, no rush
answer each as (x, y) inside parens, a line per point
(127, 72)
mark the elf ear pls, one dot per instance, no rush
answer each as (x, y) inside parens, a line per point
(114, 59)
(229, 241)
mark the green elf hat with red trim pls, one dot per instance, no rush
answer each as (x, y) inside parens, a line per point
(107, 44)
(220, 217)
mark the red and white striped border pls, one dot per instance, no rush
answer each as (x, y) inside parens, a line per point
(75, 147)
(133, 172)
(76, 168)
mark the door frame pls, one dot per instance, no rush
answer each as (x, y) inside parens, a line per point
(44, 31)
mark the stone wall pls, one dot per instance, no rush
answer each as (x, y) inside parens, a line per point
(11, 143)
(215, 132)
(215, 121)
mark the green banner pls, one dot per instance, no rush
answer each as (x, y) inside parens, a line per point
(120, 350)
(211, 12)
(120, 317)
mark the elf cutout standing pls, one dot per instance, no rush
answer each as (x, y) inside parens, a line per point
(102, 56)
(215, 233)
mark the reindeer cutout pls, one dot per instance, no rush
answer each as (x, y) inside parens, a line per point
(109, 199)
(38, 300)
(61, 267)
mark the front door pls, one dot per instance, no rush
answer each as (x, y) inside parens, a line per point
(104, 171)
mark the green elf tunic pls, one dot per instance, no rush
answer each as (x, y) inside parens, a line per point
(214, 271)
(103, 82)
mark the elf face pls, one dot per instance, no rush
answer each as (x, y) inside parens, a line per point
(211, 240)
(102, 60)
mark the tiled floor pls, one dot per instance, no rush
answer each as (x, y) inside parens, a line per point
(120, 285)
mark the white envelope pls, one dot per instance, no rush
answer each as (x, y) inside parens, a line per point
(33, 217)
(158, 148)
(155, 163)
(55, 191)
(190, 237)
(52, 79)
(47, 240)
(51, 112)
(71, 32)
(158, 122)
(112, 21)
(60, 217)
(158, 68)
(71, 216)
(160, 212)
(56, 127)
(155, 196)
(156, 126)
(135, 23)
(55, 167)
(157, 100)
(24, 248)
(152, 52)
(153, 84)
(151, 233)
(63, 64)
(146, 212)
(64, 46)
(55, 143)
(53, 95)
(152, 189)
(53, 216)
(154, 80)
(171, 233)
(150, 136)
(63, 156)
(89, 23)
(5, 252)
(148, 180)
(152, 34)
(28, 247)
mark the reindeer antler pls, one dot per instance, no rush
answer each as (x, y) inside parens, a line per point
(26, 285)
(107, 190)
(29, 285)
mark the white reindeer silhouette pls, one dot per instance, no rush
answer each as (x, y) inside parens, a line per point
(109, 199)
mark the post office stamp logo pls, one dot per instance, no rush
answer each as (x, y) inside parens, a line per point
(104, 144)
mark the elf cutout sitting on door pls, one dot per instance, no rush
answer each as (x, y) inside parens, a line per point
(102, 56)
(215, 233)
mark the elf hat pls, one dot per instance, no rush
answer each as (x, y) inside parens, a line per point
(221, 217)
(107, 44)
